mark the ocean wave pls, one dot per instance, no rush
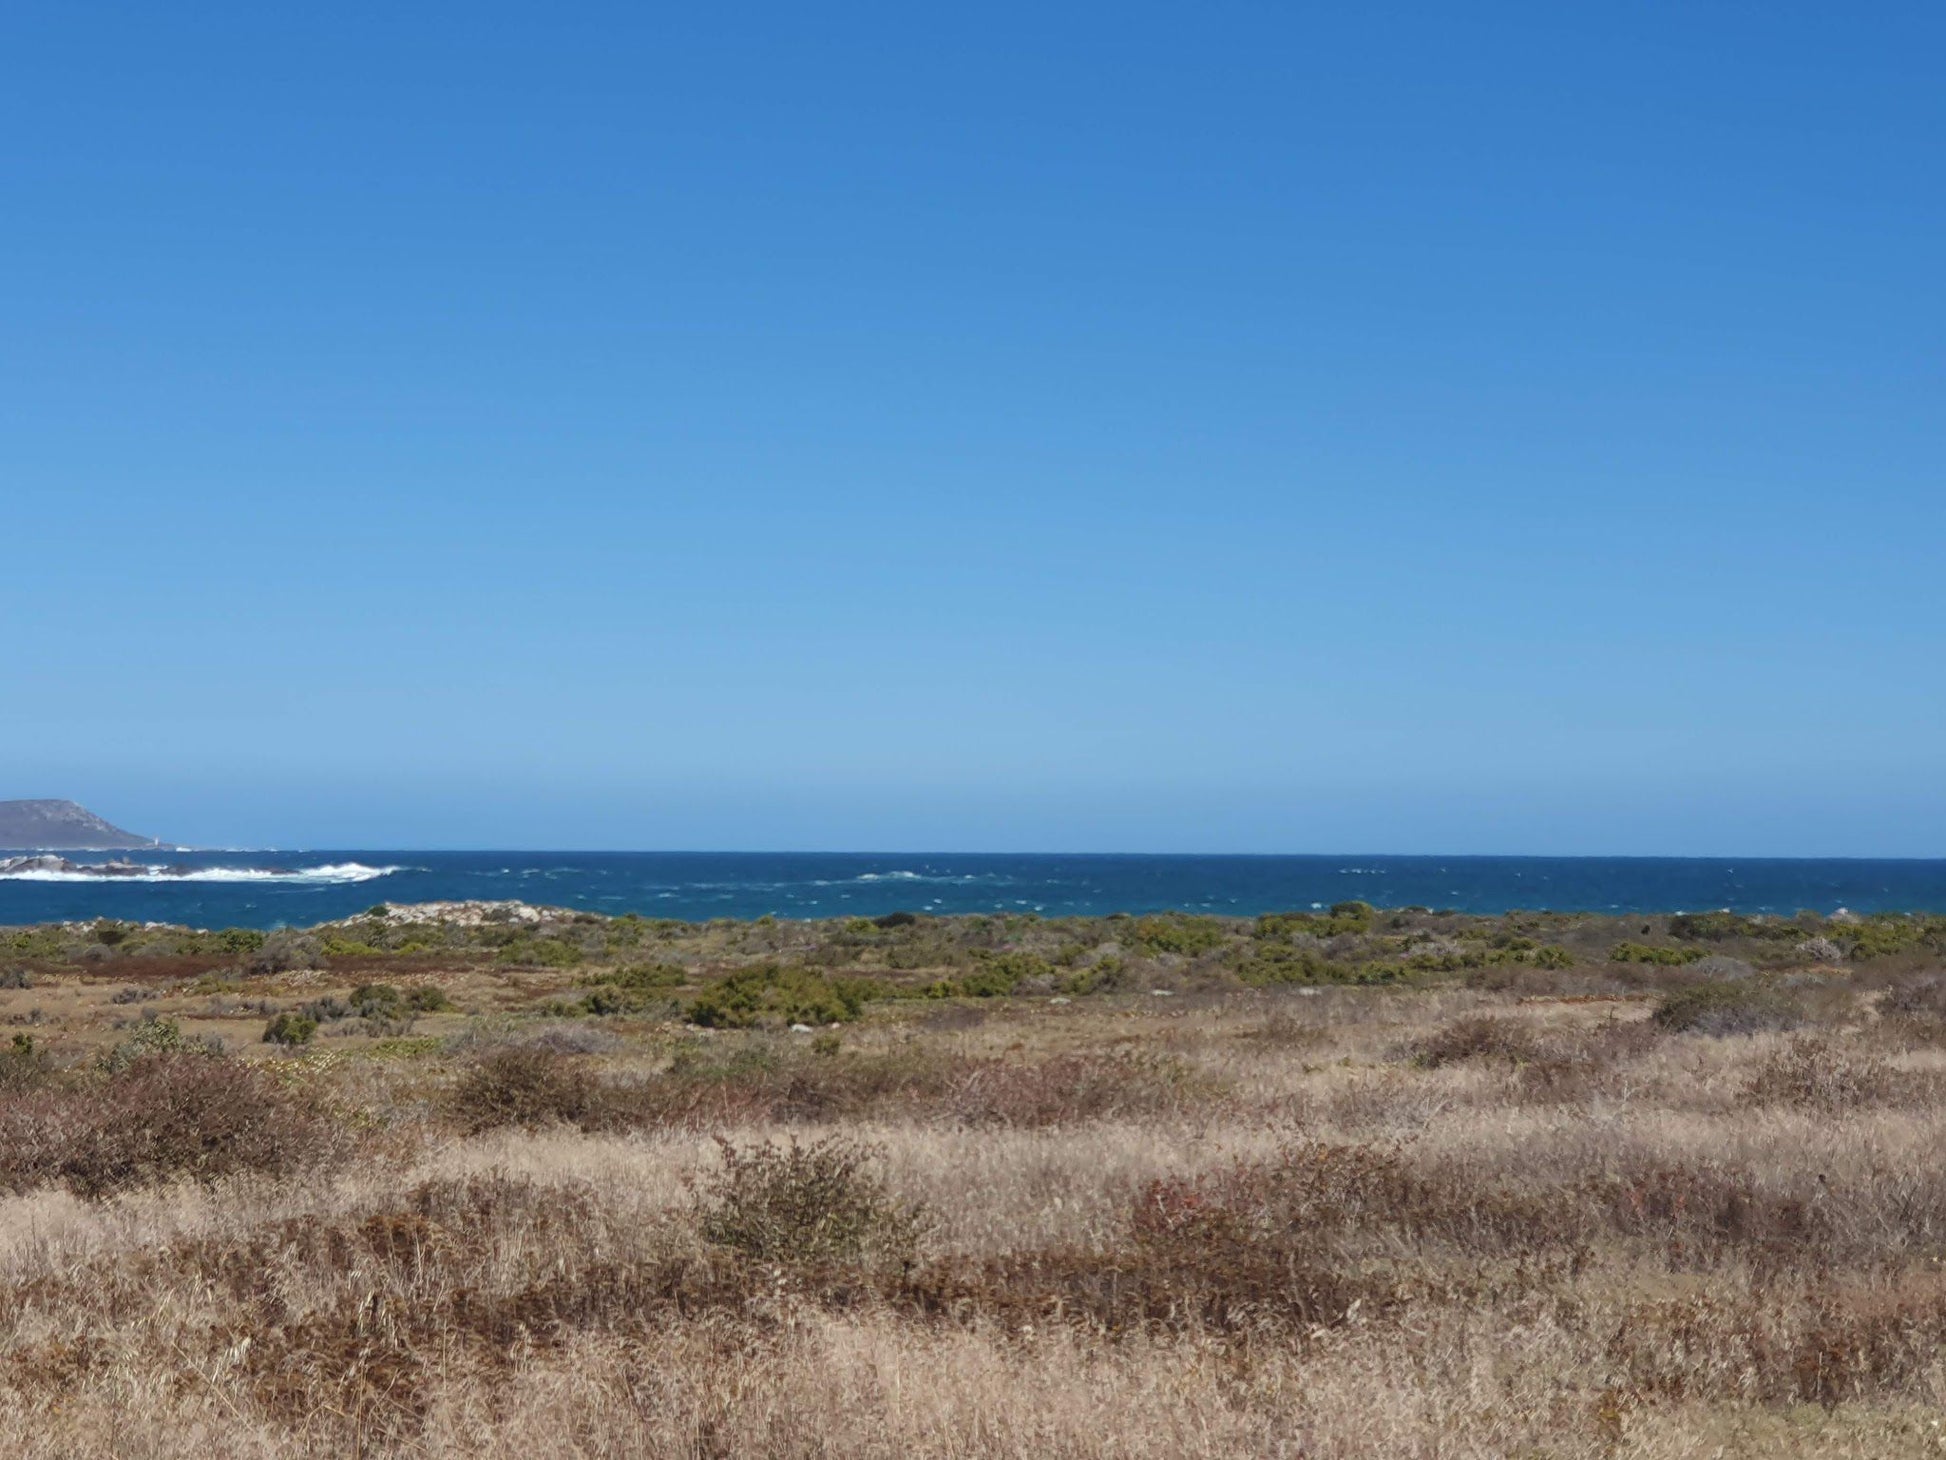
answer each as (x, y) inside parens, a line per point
(950, 879)
(332, 875)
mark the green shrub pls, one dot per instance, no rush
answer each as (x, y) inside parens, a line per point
(1271, 964)
(1344, 917)
(290, 1029)
(388, 1004)
(1661, 957)
(649, 977)
(1709, 926)
(788, 995)
(542, 952)
(1179, 933)
(1104, 975)
(999, 974)
(156, 1037)
(1885, 934)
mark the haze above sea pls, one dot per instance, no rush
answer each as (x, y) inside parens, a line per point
(269, 889)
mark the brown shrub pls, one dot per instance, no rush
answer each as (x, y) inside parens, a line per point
(1479, 1037)
(1921, 997)
(523, 1085)
(161, 1117)
(1820, 1074)
(1064, 1088)
(819, 1204)
(1585, 1064)
(1749, 1007)
(957, 1090)
(1828, 1344)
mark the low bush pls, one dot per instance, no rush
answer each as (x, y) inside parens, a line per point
(1819, 1074)
(1712, 927)
(1000, 974)
(23, 1064)
(1748, 1007)
(1923, 997)
(769, 993)
(1344, 917)
(815, 1204)
(153, 1036)
(1063, 1089)
(523, 1085)
(284, 951)
(1179, 933)
(1481, 1037)
(1660, 956)
(290, 1029)
(156, 1118)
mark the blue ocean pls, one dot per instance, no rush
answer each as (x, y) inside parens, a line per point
(269, 889)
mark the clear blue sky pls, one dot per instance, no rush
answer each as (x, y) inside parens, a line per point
(1194, 427)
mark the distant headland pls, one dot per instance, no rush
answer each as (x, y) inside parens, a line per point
(62, 826)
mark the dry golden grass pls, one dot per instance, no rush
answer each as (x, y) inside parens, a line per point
(1341, 1223)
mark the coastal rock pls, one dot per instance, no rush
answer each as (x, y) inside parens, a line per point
(472, 914)
(45, 864)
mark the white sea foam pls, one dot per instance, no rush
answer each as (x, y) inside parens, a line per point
(332, 875)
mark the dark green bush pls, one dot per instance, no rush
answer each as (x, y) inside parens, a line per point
(290, 1029)
(1661, 957)
(751, 996)
(649, 977)
(1179, 933)
(1709, 926)
(1344, 917)
(999, 974)
(542, 952)
(1885, 934)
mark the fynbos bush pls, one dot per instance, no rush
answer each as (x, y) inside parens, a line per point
(1729, 1008)
(816, 1204)
(158, 1117)
(524, 1085)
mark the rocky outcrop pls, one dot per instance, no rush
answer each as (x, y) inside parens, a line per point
(27, 866)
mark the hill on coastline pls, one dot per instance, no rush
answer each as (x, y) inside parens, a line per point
(62, 826)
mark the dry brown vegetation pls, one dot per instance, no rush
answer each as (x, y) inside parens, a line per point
(1604, 1209)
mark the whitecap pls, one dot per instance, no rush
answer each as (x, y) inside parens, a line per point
(331, 875)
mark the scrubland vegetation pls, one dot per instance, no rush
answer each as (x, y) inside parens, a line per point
(1336, 1183)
